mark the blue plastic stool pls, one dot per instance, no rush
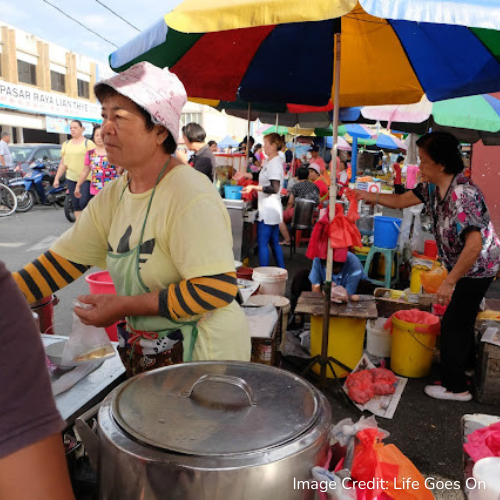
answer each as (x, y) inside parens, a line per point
(390, 256)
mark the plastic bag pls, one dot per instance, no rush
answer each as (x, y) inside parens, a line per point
(404, 238)
(433, 279)
(86, 343)
(424, 322)
(417, 239)
(484, 442)
(352, 214)
(387, 467)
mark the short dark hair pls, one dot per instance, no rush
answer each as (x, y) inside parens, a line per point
(103, 91)
(77, 121)
(211, 143)
(194, 132)
(252, 140)
(400, 158)
(96, 127)
(302, 173)
(444, 149)
(257, 147)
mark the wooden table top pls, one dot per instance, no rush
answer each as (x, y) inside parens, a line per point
(313, 303)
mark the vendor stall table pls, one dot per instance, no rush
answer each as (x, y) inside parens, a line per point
(346, 329)
(91, 389)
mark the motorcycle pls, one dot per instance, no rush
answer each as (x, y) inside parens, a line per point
(37, 187)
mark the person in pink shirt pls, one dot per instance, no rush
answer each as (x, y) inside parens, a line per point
(316, 158)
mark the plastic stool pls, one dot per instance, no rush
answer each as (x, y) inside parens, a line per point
(391, 256)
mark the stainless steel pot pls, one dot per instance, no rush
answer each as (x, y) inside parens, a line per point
(210, 430)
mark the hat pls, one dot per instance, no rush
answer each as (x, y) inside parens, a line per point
(156, 90)
(315, 167)
(340, 254)
(314, 148)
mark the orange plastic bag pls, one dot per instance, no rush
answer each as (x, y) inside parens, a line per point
(408, 483)
(386, 471)
(343, 233)
(433, 279)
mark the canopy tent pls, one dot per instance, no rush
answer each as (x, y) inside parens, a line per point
(228, 142)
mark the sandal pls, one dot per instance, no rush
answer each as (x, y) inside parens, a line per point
(285, 243)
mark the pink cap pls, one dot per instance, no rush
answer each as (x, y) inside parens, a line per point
(315, 167)
(340, 254)
(156, 90)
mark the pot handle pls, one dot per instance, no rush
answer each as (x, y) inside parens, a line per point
(88, 436)
(224, 379)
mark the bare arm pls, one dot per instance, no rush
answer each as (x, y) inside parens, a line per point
(61, 170)
(2, 159)
(47, 478)
(468, 257)
(81, 180)
(291, 201)
(316, 288)
(389, 200)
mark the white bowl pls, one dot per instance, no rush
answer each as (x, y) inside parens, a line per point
(55, 353)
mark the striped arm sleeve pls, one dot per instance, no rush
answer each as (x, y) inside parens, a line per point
(198, 296)
(47, 274)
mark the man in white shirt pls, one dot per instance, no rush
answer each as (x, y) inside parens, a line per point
(5, 156)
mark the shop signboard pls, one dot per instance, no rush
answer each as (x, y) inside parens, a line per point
(33, 100)
(61, 125)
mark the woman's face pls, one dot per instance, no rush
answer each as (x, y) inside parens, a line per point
(98, 137)
(127, 141)
(75, 130)
(429, 169)
(269, 148)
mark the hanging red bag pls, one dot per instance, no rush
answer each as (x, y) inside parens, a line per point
(352, 213)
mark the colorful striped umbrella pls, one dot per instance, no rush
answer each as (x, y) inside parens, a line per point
(390, 60)
(468, 118)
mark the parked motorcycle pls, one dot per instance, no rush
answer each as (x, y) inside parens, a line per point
(37, 187)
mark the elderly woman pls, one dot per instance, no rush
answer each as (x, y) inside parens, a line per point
(467, 245)
(162, 232)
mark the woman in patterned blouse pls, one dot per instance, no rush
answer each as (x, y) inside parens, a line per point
(467, 244)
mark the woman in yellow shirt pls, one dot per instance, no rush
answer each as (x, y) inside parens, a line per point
(72, 163)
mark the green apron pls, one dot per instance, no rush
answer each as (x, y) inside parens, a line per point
(126, 276)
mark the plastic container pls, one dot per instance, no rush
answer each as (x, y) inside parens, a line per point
(345, 342)
(413, 343)
(232, 192)
(272, 280)
(386, 231)
(430, 249)
(415, 280)
(378, 339)
(486, 473)
(101, 282)
(244, 273)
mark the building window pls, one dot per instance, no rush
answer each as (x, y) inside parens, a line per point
(190, 118)
(57, 81)
(26, 72)
(83, 89)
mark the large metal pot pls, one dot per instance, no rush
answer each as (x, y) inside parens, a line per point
(211, 430)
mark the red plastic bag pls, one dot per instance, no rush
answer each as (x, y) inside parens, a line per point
(352, 214)
(424, 322)
(342, 232)
(360, 387)
(383, 381)
(484, 442)
(387, 467)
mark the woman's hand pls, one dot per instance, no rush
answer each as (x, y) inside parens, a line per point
(106, 309)
(55, 184)
(444, 293)
(78, 193)
(249, 188)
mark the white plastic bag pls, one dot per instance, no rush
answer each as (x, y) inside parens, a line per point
(86, 343)
(417, 239)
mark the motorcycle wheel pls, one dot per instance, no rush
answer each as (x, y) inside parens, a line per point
(25, 199)
(68, 209)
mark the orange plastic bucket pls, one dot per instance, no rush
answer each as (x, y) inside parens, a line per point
(101, 282)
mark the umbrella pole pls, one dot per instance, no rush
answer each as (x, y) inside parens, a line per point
(277, 124)
(248, 135)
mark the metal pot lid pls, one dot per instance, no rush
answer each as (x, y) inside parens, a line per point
(216, 408)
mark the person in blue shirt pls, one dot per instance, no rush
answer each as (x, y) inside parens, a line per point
(347, 271)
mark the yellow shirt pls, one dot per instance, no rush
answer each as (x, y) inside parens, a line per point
(74, 157)
(187, 235)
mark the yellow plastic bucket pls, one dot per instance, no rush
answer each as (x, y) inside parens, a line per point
(345, 342)
(412, 349)
(415, 281)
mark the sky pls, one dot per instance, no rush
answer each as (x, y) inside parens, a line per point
(44, 21)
